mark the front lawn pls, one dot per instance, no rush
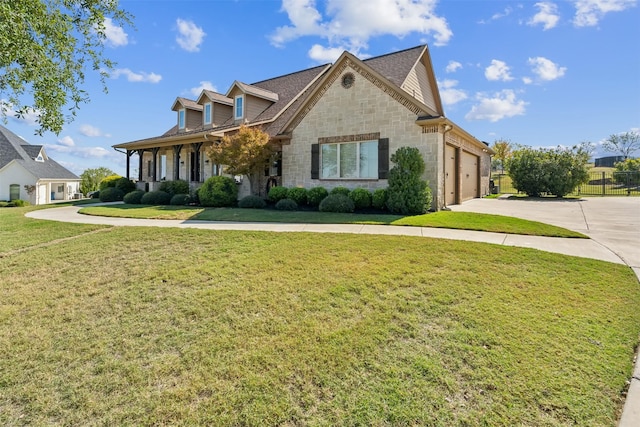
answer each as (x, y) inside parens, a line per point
(151, 326)
(454, 220)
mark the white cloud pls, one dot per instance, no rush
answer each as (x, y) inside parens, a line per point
(527, 80)
(449, 94)
(589, 12)
(498, 70)
(136, 77)
(115, 35)
(351, 23)
(507, 11)
(204, 85)
(190, 36)
(325, 54)
(501, 105)
(84, 152)
(547, 15)
(92, 131)
(545, 69)
(67, 141)
(30, 117)
(453, 66)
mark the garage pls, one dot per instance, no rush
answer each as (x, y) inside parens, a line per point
(469, 176)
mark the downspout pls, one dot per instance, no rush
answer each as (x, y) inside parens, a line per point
(445, 128)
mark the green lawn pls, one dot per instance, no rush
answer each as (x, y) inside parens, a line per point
(455, 220)
(150, 326)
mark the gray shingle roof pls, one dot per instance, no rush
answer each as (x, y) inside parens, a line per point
(12, 147)
(216, 97)
(397, 65)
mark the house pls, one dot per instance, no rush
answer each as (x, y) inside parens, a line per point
(27, 173)
(332, 125)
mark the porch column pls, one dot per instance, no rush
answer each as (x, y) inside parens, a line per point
(129, 154)
(154, 160)
(195, 168)
(176, 161)
(140, 153)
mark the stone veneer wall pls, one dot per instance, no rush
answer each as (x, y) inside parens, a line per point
(361, 109)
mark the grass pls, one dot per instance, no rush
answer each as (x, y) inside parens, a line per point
(454, 220)
(149, 326)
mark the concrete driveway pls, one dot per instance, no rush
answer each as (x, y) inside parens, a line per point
(613, 222)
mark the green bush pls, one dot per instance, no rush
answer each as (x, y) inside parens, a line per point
(95, 195)
(286, 205)
(361, 198)
(180, 200)
(340, 190)
(316, 195)
(3, 204)
(179, 186)
(252, 202)
(156, 198)
(337, 203)
(109, 181)
(298, 195)
(126, 185)
(111, 194)
(17, 203)
(379, 198)
(134, 198)
(277, 193)
(627, 172)
(218, 191)
(408, 193)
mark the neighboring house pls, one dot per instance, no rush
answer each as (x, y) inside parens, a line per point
(608, 162)
(333, 125)
(27, 173)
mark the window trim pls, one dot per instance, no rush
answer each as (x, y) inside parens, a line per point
(338, 151)
(235, 107)
(182, 118)
(208, 119)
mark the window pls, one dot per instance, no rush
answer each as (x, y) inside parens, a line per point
(40, 158)
(239, 114)
(350, 160)
(207, 113)
(181, 114)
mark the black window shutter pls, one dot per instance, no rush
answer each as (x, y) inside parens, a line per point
(315, 161)
(383, 158)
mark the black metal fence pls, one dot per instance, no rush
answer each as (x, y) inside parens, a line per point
(599, 184)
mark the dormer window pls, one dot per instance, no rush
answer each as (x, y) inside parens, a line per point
(40, 158)
(181, 118)
(207, 113)
(239, 107)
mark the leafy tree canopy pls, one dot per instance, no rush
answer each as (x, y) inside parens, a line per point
(503, 150)
(90, 178)
(45, 48)
(624, 143)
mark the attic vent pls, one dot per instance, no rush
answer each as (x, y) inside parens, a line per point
(347, 80)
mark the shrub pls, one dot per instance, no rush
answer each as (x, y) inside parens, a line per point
(252, 202)
(180, 200)
(627, 172)
(126, 185)
(3, 204)
(18, 203)
(218, 191)
(109, 181)
(286, 205)
(316, 195)
(179, 186)
(408, 193)
(111, 194)
(361, 198)
(337, 203)
(156, 198)
(134, 198)
(95, 195)
(298, 195)
(340, 190)
(379, 198)
(277, 193)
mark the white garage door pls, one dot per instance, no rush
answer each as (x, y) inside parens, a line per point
(469, 176)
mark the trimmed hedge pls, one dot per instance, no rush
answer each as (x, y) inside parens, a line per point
(218, 191)
(134, 198)
(111, 194)
(316, 195)
(180, 200)
(108, 181)
(298, 195)
(179, 186)
(340, 190)
(126, 185)
(278, 193)
(156, 198)
(252, 202)
(379, 198)
(337, 203)
(361, 198)
(286, 205)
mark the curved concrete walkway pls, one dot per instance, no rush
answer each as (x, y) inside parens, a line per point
(613, 225)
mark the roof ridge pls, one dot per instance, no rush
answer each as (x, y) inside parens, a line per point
(395, 53)
(289, 74)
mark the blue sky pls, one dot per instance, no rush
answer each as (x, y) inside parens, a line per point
(542, 73)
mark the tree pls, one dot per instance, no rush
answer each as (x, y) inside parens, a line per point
(624, 143)
(45, 48)
(408, 193)
(502, 148)
(91, 178)
(243, 153)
